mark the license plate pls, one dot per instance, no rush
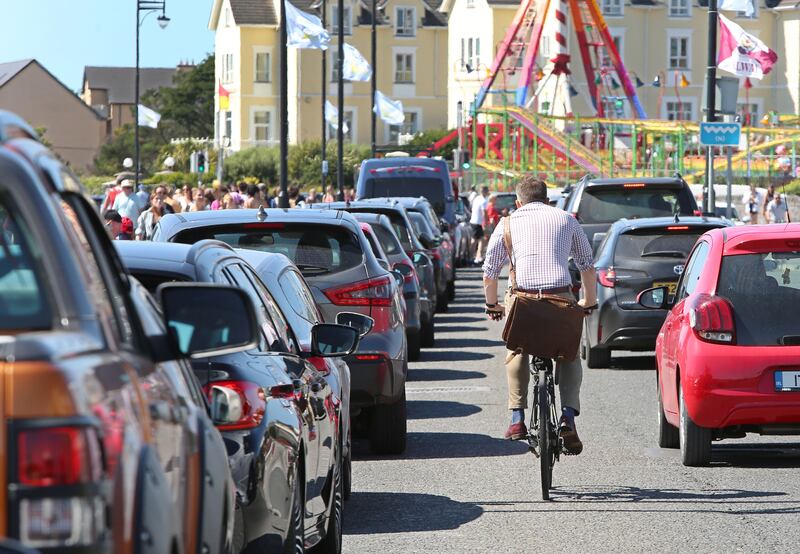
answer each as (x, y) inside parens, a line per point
(671, 285)
(787, 380)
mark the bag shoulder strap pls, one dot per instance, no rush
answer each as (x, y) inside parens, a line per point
(510, 250)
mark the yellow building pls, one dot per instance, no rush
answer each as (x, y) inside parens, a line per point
(411, 67)
(654, 37)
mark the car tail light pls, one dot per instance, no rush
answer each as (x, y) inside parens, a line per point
(263, 226)
(633, 186)
(711, 317)
(697, 212)
(435, 255)
(372, 292)
(678, 228)
(320, 364)
(368, 357)
(252, 403)
(407, 269)
(607, 277)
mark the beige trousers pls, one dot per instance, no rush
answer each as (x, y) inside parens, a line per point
(570, 376)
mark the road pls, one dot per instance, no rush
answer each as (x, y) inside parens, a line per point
(461, 488)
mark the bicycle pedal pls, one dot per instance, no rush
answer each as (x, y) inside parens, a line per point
(533, 451)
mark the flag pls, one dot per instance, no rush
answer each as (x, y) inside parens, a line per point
(332, 117)
(741, 53)
(390, 111)
(356, 68)
(745, 6)
(304, 30)
(148, 117)
(224, 98)
(684, 81)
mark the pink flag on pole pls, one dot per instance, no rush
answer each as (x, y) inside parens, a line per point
(741, 53)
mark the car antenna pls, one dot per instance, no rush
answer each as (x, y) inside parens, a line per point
(677, 218)
(262, 214)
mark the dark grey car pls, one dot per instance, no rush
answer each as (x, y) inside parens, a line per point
(334, 256)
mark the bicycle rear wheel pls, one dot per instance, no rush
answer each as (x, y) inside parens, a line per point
(546, 445)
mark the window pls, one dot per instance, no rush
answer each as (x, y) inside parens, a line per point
(678, 52)
(679, 111)
(227, 68)
(405, 24)
(270, 339)
(404, 68)
(544, 49)
(348, 25)
(470, 3)
(300, 298)
(347, 131)
(616, 39)
(409, 127)
(679, 8)
(335, 67)
(692, 271)
(612, 7)
(749, 113)
(262, 125)
(228, 124)
(263, 67)
(470, 54)
(228, 17)
(277, 317)
(754, 14)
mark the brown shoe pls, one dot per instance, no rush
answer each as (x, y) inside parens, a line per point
(516, 431)
(569, 434)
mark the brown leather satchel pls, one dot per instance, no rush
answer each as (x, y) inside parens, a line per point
(544, 325)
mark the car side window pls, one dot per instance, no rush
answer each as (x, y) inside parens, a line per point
(274, 342)
(281, 325)
(300, 298)
(693, 271)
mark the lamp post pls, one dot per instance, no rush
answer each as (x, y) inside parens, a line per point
(283, 197)
(373, 121)
(340, 101)
(146, 7)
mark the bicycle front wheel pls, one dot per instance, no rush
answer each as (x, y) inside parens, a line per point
(546, 445)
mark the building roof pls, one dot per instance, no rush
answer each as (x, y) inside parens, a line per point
(257, 12)
(119, 81)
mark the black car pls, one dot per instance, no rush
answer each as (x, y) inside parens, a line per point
(597, 203)
(634, 255)
(285, 448)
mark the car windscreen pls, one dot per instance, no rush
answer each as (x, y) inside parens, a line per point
(390, 243)
(657, 244)
(763, 289)
(432, 188)
(607, 205)
(314, 248)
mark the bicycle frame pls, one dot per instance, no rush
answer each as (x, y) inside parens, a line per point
(543, 437)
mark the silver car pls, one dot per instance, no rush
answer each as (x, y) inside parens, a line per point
(334, 256)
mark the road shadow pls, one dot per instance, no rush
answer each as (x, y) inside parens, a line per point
(465, 342)
(638, 494)
(435, 409)
(402, 512)
(772, 455)
(433, 446)
(456, 329)
(453, 356)
(644, 362)
(469, 308)
(422, 374)
(453, 318)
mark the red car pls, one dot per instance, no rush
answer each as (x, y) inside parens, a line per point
(728, 354)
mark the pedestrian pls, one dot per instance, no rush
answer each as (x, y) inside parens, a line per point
(113, 222)
(126, 204)
(478, 220)
(142, 195)
(112, 189)
(161, 192)
(753, 203)
(492, 215)
(349, 194)
(186, 198)
(146, 223)
(125, 229)
(330, 194)
(294, 196)
(769, 196)
(253, 199)
(777, 209)
(200, 203)
(171, 204)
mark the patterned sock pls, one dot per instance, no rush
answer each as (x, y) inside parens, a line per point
(517, 416)
(569, 414)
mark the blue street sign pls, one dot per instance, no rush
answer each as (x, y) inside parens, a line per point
(720, 134)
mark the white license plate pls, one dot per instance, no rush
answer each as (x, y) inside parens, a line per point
(787, 380)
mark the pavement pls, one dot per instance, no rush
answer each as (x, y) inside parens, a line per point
(460, 487)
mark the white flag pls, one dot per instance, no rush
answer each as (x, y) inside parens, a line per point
(745, 6)
(741, 53)
(332, 117)
(356, 68)
(390, 111)
(148, 117)
(304, 30)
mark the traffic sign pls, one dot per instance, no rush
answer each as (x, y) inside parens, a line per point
(720, 134)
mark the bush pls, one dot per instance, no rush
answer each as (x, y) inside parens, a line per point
(94, 183)
(176, 179)
(257, 162)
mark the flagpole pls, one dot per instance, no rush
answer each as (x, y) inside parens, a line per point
(324, 99)
(340, 92)
(136, 108)
(373, 121)
(283, 198)
(711, 97)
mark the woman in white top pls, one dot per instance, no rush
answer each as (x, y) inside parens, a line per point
(148, 220)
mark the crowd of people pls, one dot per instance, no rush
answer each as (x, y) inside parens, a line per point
(772, 206)
(133, 215)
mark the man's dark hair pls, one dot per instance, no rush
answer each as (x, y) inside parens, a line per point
(112, 215)
(530, 189)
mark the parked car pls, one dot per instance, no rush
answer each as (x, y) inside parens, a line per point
(337, 262)
(437, 252)
(282, 428)
(107, 446)
(721, 210)
(727, 352)
(389, 177)
(462, 236)
(634, 255)
(504, 202)
(597, 203)
(404, 230)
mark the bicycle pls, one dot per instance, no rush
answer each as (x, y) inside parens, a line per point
(543, 437)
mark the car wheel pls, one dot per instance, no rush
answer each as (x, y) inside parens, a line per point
(347, 475)
(332, 542)
(597, 357)
(295, 538)
(667, 433)
(441, 302)
(451, 290)
(427, 333)
(387, 434)
(413, 340)
(695, 441)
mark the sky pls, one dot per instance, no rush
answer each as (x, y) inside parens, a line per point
(66, 35)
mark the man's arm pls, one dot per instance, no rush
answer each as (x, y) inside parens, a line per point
(496, 257)
(582, 255)
(588, 287)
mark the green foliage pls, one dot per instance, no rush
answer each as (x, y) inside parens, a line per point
(122, 146)
(426, 139)
(94, 183)
(792, 187)
(176, 179)
(258, 162)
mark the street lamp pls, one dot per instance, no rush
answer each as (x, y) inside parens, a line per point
(144, 7)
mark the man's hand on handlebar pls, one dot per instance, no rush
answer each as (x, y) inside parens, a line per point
(587, 309)
(496, 312)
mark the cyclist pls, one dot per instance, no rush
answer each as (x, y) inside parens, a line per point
(544, 239)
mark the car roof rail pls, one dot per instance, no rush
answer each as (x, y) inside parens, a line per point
(13, 126)
(202, 245)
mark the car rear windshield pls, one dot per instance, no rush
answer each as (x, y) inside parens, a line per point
(419, 222)
(505, 202)
(763, 289)
(389, 242)
(431, 188)
(314, 248)
(397, 221)
(656, 244)
(607, 205)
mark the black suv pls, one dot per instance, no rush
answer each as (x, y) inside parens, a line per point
(634, 255)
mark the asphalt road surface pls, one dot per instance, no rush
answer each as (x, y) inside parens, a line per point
(460, 487)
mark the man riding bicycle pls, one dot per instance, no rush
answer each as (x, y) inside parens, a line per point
(544, 239)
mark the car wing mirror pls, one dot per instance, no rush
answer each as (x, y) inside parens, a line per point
(225, 405)
(206, 319)
(399, 278)
(330, 340)
(656, 298)
(420, 259)
(360, 322)
(426, 240)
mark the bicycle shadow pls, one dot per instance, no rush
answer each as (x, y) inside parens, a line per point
(439, 409)
(424, 374)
